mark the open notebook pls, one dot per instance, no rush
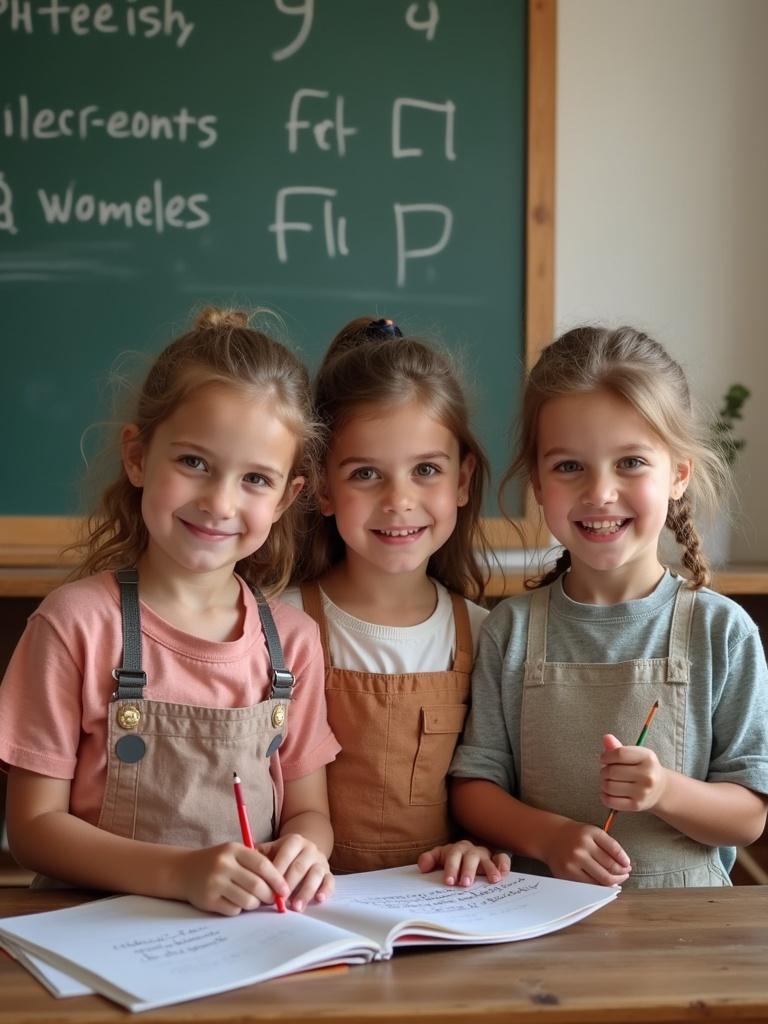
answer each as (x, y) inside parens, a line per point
(144, 953)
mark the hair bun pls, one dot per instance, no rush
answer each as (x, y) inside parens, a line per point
(217, 318)
(381, 329)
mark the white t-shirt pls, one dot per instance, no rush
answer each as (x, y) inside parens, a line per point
(367, 647)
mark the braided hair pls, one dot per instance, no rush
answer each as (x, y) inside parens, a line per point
(627, 363)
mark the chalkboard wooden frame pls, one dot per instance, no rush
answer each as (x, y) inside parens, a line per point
(38, 540)
(540, 235)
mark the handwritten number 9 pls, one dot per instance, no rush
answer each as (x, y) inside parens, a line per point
(306, 10)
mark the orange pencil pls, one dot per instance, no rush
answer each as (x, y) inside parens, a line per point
(640, 742)
(245, 828)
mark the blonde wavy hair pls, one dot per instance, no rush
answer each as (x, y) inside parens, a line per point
(223, 349)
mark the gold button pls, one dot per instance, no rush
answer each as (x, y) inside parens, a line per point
(128, 716)
(278, 715)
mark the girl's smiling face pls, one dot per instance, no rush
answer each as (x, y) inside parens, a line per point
(394, 480)
(604, 480)
(216, 474)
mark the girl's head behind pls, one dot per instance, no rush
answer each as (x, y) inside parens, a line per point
(627, 364)
(221, 354)
(371, 371)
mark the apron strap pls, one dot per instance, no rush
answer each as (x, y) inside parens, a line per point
(680, 635)
(282, 678)
(312, 599)
(464, 652)
(130, 678)
(536, 649)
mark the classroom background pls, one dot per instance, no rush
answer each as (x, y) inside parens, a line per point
(660, 218)
(661, 206)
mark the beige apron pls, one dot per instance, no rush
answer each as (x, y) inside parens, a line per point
(387, 789)
(170, 766)
(566, 710)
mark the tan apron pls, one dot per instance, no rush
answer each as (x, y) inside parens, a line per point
(387, 788)
(170, 766)
(566, 710)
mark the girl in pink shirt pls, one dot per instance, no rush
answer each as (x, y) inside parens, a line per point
(137, 691)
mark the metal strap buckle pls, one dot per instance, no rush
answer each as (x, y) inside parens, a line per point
(127, 677)
(282, 683)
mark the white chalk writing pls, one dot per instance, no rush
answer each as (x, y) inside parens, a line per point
(305, 11)
(402, 211)
(81, 19)
(427, 25)
(20, 120)
(6, 207)
(153, 210)
(320, 129)
(334, 232)
(321, 123)
(448, 109)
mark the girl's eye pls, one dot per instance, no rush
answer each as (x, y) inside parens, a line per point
(364, 473)
(426, 469)
(632, 462)
(568, 466)
(192, 462)
(258, 479)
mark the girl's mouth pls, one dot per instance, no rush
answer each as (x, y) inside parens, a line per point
(403, 534)
(603, 527)
(206, 532)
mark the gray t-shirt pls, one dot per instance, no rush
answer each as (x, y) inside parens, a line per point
(726, 736)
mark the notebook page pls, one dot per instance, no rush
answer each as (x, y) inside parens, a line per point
(381, 904)
(145, 952)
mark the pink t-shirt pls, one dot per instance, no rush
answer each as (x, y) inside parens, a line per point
(55, 696)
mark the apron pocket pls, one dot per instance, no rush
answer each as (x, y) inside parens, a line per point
(440, 729)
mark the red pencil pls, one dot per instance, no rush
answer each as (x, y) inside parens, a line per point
(245, 828)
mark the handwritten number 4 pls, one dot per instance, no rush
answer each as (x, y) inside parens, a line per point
(306, 11)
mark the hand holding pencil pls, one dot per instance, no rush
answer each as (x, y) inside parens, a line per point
(293, 860)
(227, 878)
(632, 775)
(245, 829)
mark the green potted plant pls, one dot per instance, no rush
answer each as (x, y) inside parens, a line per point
(718, 531)
(725, 422)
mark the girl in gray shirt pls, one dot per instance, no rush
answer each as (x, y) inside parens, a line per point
(566, 674)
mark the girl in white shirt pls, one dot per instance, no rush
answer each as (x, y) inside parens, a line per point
(392, 553)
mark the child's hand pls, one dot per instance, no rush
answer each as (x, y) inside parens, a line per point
(462, 861)
(585, 853)
(632, 779)
(229, 878)
(303, 866)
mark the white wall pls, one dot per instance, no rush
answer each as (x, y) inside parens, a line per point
(662, 196)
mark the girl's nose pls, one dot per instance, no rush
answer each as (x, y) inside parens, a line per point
(218, 499)
(398, 497)
(600, 489)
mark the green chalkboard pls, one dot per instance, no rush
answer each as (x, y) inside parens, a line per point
(320, 158)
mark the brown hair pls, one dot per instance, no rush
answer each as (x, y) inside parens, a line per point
(628, 363)
(220, 349)
(369, 363)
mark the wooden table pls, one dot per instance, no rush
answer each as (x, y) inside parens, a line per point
(657, 956)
